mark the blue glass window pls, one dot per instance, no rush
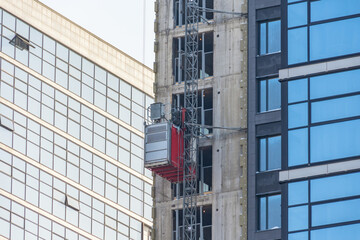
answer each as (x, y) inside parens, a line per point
(297, 147)
(335, 109)
(298, 115)
(335, 187)
(270, 212)
(297, 90)
(298, 193)
(334, 39)
(350, 82)
(270, 153)
(335, 212)
(270, 40)
(297, 14)
(325, 212)
(334, 9)
(336, 233)
(299, 236)
(269, 94)
(297, 45)
(334, 141)
(298, 218)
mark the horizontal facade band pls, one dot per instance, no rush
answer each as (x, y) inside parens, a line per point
(75, 140)
(74, 184)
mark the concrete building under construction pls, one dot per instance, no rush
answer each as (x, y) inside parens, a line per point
(222, 116)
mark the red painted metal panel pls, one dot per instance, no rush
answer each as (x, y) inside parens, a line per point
(174, 171)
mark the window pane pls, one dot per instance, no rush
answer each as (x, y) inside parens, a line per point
(336, 233)
(298, 115)
(262, 154)
(297, 14)
(297, 90)
(274, 152)
(334, 9)
(297, 147)
(335, 187)
(298, 192)
(337, 212)
(274, 40)
(263, 96)
(334, 39)
(274, 94)
(299, 236)
(263, 41)
(335, 109)
(297, 45)
(262, 215)
(298, 218)
(333, 141)
(274, 214)
(349, 83)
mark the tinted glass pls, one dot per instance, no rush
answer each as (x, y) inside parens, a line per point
(336, 212)
(298, 218)
(274, 211)
(297, 90)
(274, 40)
(335, 109)
(334, 39)
(297, 14)
(336, 233)
(334, 9)
(350, 82)
(274, 94)
(335, 187)
(298, 193)
(298, 147)
(274, 152)
(297, 45)
(298, 115)
(334, 141)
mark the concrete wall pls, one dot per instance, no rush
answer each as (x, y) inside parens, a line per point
(229, 84)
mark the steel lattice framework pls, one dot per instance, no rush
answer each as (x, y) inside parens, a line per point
(191, 132)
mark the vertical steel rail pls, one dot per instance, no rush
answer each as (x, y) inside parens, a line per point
(191, 132)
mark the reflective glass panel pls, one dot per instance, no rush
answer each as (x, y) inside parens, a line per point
(274, 40)
(263, 41)
(298, 115)
(334, 141)
(336, 212)
(274, 152)
(335, 109)
(274, 211)
(334, 9)
(298, 193)
(263, 96)
(335, 187)
(297, 14)
(297, 45)
(297, 90)
(274, 94)
(298, 218)
(298, 147)
(336, 233)
(350, 82)
(298, 236)
(334, 39)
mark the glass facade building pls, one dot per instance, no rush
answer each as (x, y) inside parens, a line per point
(315, 168)
(71, 138)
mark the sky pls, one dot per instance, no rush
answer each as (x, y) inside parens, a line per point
(127, 25)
